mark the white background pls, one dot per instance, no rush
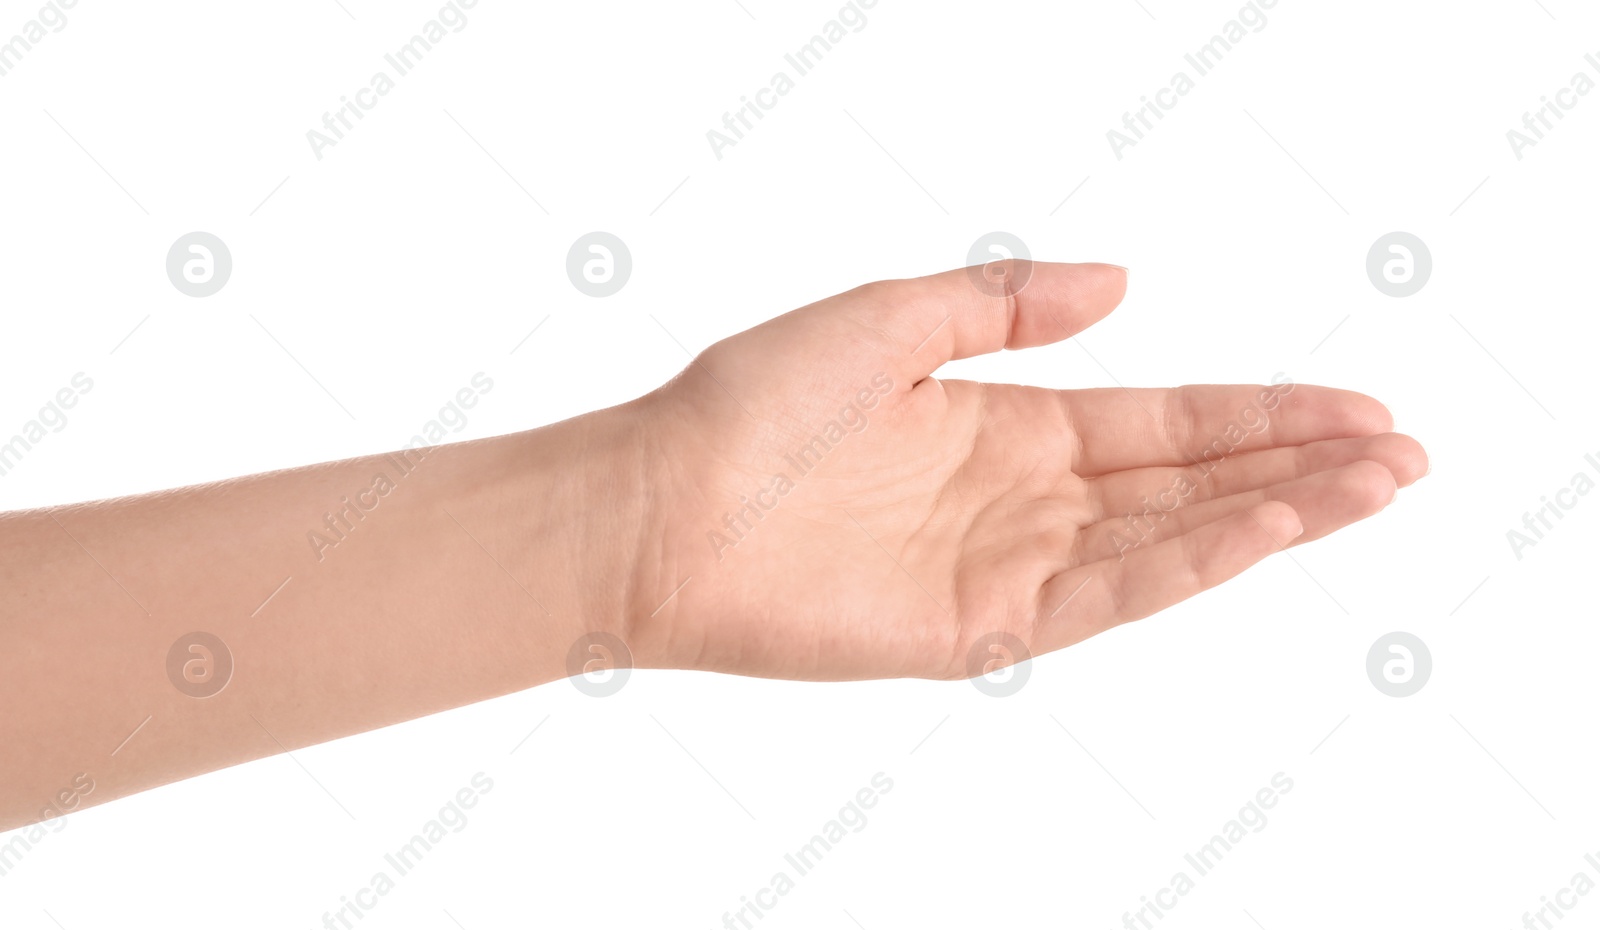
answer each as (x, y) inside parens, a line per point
(411, 256)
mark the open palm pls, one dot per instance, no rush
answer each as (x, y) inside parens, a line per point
(829, 510)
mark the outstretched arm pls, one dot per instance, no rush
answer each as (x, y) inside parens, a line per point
(333, 599)
(805, 501)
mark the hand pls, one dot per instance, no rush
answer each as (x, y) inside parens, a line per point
(840, 513)
(804, 501)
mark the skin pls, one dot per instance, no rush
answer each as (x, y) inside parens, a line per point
(940, 529)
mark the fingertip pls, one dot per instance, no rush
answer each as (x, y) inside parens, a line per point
(1112, 281)
(1338, 412)
(1280, 521)
(1368, 414)
(1372, 484)
(1405, 458)
(1061, 299)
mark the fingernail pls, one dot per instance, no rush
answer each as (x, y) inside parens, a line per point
(1295, 528)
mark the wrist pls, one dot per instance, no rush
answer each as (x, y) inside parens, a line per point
(576, 509)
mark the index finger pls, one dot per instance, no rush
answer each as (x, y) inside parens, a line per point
(1117, 428)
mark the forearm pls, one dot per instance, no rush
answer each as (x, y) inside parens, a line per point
(348, 596)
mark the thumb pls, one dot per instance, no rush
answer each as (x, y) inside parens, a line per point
(1010, 304)
(908, 328)
(916, 325)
